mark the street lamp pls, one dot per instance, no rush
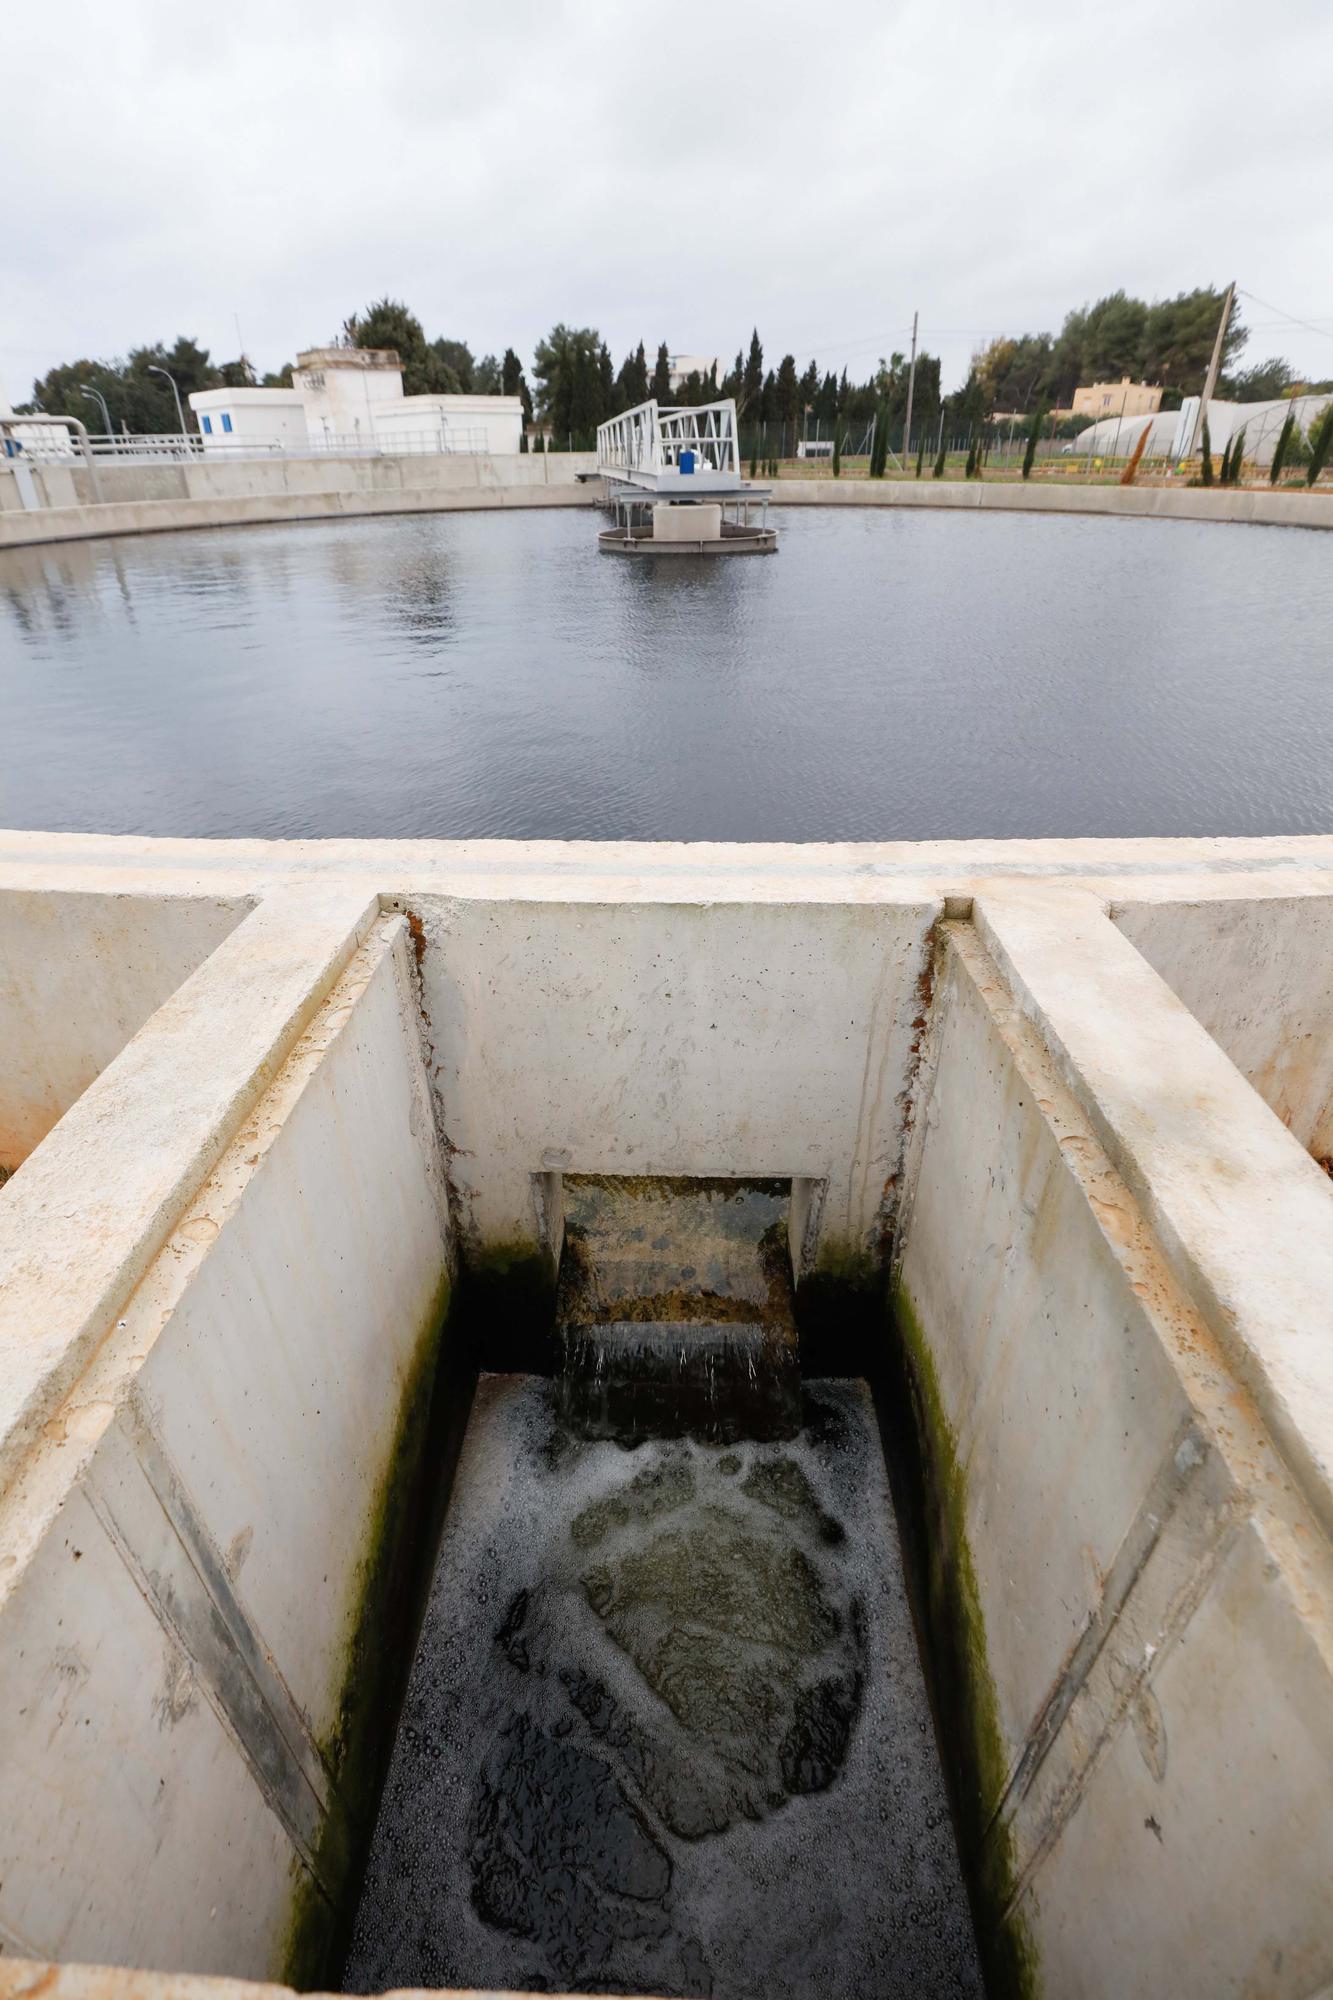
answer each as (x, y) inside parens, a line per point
(96, 396)
(152, 370)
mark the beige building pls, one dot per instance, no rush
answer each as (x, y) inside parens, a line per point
(1117, 399)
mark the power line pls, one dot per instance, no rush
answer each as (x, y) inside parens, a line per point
(1292, 318)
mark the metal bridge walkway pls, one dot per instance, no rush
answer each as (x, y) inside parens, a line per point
(686, 454)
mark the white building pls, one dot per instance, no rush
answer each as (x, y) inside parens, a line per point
(264, 419)
(351, 399)
(682, 366)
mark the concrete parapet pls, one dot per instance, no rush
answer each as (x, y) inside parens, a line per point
(145, 497)
(1263, 507)
(152, 498)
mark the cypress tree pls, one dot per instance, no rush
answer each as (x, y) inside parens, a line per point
(1237, 456)
(1321, 438)
(1034, 435)
(1281, 447)
(879, 450)
(938, 473)
(1207, 454)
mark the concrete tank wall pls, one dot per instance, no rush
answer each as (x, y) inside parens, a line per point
(80, 974)
(1146, 1795)
(723, 1038)
(191, 1544)
(366, 484)
(1259, 975)
(143, 498)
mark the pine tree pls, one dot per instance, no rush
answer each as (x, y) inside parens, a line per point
(1207, 455)
(1281, 448)
(660, 387)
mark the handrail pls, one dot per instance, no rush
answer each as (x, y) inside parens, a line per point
(453, 439)
(11, 423)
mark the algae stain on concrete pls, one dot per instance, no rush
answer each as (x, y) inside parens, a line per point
(392, 1575)
(964, 1689)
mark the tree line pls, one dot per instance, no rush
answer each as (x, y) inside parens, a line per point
(577, 385)
(1166, 341)
(131, 395)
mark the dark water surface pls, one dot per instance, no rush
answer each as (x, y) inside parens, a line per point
(885, 676)
(666, 1730)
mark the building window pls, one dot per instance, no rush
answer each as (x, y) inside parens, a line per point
(226, 421)
(208, 426)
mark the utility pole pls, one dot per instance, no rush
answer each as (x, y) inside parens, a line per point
(1210, 382)
(911, 391)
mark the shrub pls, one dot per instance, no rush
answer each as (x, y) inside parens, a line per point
(920, 457)
(1207, 454)
(837, 449)
(938, 473)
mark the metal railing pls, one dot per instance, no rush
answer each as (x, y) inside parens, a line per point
(59, 440)
(650, 439)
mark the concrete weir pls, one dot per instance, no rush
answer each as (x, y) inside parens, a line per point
(294, 1129)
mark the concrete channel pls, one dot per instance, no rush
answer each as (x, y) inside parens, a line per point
(295, 1131)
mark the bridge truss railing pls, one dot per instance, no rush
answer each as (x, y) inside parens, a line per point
(650, 439)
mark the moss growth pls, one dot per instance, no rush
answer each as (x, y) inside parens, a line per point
(963, 1690)
(840, 1312)
(393, 1575)
(506, 1305)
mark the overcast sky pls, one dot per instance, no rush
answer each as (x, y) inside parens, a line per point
(673, 172)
